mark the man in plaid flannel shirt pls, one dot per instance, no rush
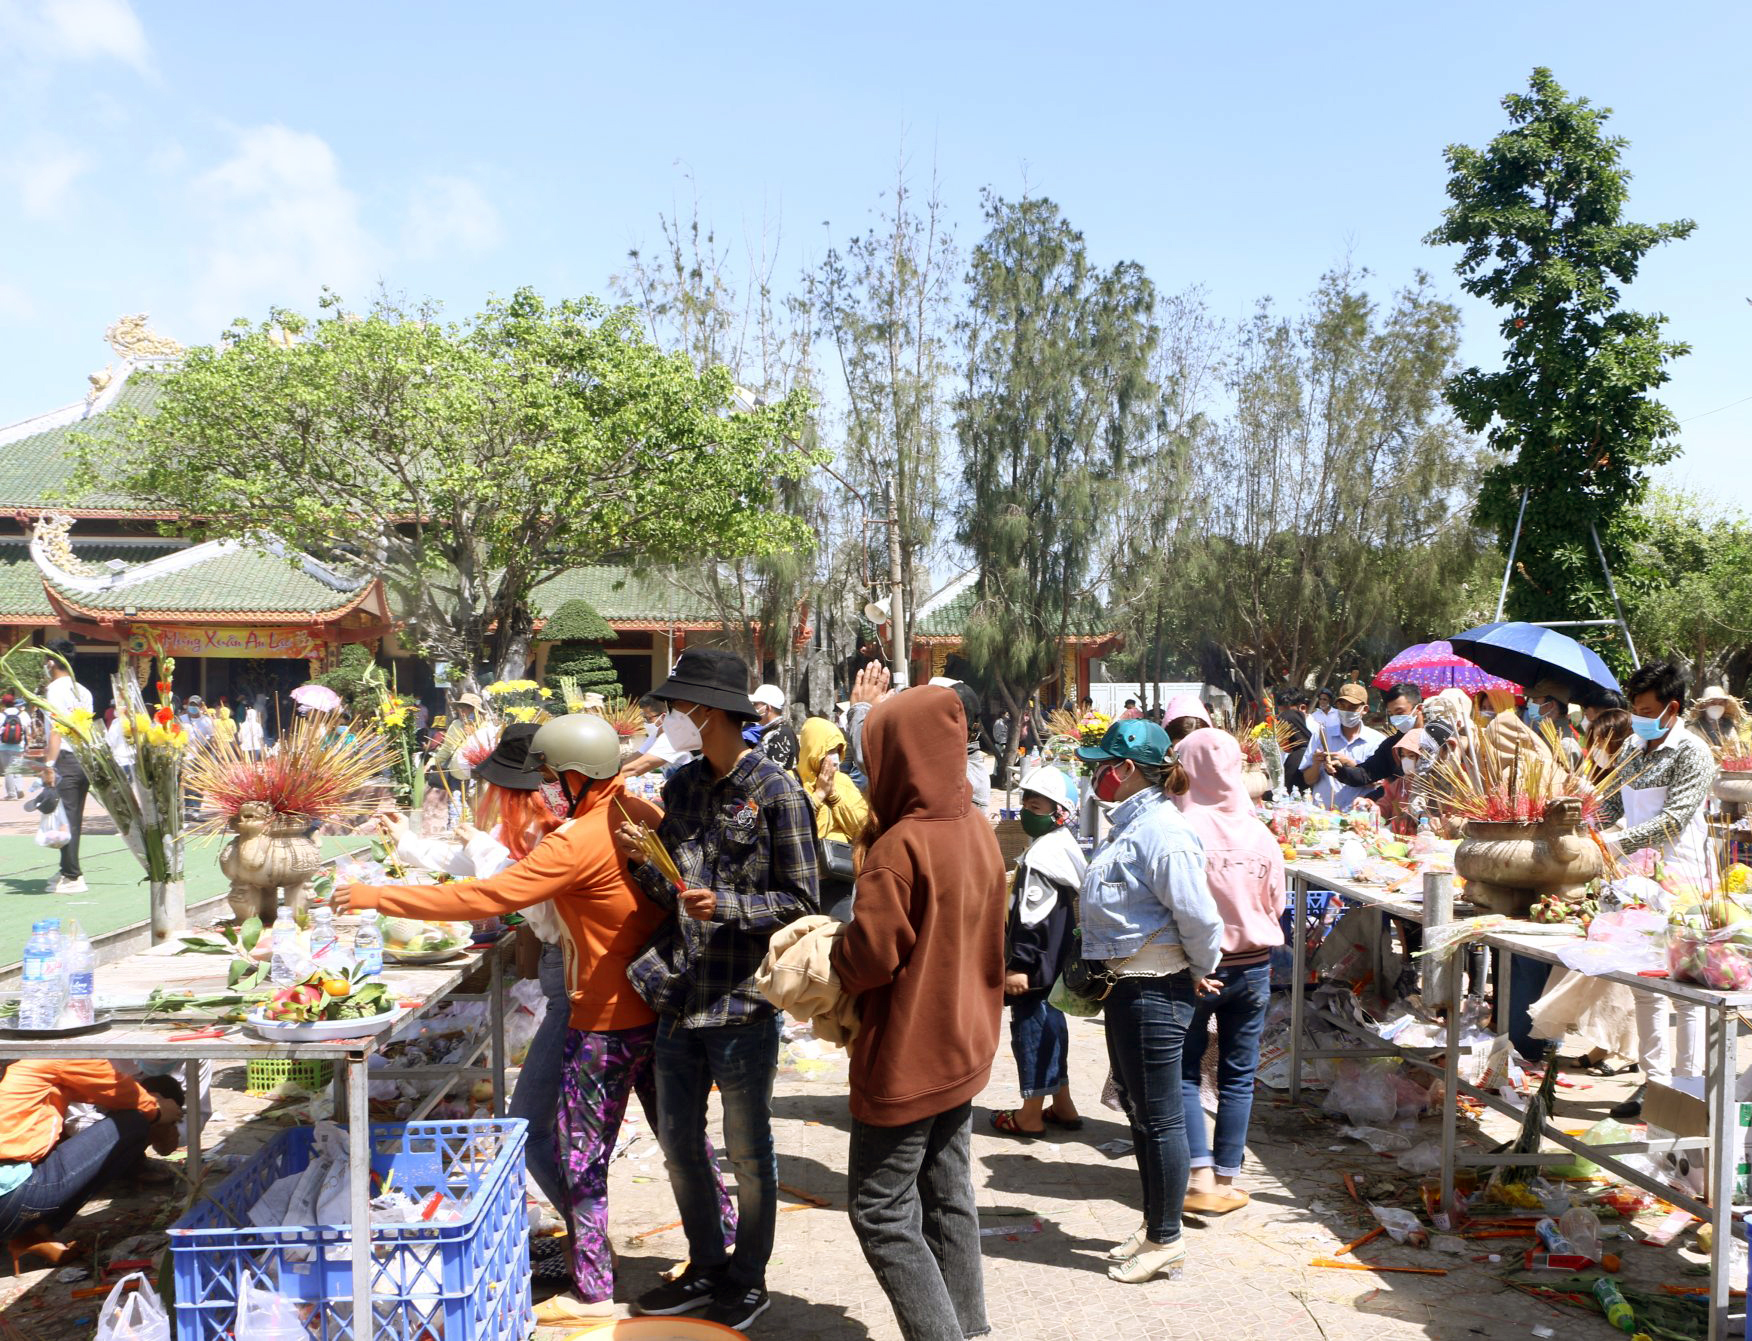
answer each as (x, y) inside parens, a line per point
(743, 838)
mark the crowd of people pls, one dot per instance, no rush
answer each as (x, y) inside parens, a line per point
(892, 891)
(859, 855)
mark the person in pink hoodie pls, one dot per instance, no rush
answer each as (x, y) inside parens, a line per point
(1244, 868)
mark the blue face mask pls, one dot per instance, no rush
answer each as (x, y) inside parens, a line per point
(1403, 721)
(1533, 715)
(1647, 728)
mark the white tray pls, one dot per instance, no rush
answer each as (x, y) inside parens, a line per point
(423, 956)
(320, 1031)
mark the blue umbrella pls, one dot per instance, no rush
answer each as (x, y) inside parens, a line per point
(1527, 654)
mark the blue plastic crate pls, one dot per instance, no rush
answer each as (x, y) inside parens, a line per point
(463, 1281)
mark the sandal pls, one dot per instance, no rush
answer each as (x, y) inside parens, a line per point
(563, 1309)
(1004, 1123)
(1066, 1124)
(1607, 1070)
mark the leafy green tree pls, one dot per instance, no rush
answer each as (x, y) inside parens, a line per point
(714, 312)
(1691, 590)
(1539, 218)
(1321, 519)
(348, 678)
(577, 634)
(1057, 400)
(464, 464)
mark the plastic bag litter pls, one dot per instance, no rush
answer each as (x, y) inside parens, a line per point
(1376, 1139)
(1606, 1131)
(1400, 1225)
(1424, 1157)
(132, 1312)
(528, 1006)
(1366, 1094)
(263, 1315)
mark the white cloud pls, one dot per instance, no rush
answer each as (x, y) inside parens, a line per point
(43, 174)
(449, 214)
(40, 32)
(282, 225)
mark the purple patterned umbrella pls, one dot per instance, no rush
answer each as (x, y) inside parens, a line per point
(1433, 667)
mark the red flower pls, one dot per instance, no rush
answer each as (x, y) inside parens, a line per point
(163, 716)
(164, 686)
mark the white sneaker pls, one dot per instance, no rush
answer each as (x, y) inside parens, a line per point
(63, 885)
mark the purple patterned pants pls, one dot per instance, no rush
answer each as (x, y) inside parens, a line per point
(600, 1071)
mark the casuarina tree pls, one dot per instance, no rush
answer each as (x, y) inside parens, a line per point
(1539, 217)
(1058, 396)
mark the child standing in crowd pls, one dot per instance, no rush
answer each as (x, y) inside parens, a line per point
(1043, 909)
(740, 829)
(925, 958)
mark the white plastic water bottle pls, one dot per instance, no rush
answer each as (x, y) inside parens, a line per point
(81, 980)
(322, 937)
(368, 945)
(282, 972)
(40, 998)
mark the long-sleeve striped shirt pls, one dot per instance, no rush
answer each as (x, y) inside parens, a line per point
(749, 837)
(1683, 764)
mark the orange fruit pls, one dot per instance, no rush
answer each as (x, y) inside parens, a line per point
(336, 986)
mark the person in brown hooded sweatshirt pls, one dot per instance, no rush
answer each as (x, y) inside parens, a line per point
(925, 958)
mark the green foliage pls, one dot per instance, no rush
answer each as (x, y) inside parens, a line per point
(1539, 218)
(589, 667)
(577, 622)
(464, 464)
(1689, 588)
(351, 679)
(1321, 520)
(1058, 397)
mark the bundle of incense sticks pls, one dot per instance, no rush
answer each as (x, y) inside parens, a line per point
(653, 848)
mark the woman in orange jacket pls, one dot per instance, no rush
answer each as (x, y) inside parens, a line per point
(606, 923)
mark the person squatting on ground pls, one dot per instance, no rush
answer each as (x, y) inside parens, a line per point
(925, 958)
(1145, 910)
(610, 1046)
(743, 836)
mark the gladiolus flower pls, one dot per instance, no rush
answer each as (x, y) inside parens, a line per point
(164, 686)
(163, 715)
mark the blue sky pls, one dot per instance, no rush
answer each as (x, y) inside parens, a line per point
(200, 161)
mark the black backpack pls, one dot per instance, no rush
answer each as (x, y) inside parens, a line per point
(11, 727)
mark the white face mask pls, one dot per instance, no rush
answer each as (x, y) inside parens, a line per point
(1350, 719)
(1407, 766)
(682, 732)
(1715, 711)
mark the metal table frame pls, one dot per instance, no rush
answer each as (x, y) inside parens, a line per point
(1719, 1080)
(429, 986)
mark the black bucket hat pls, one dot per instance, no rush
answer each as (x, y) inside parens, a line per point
(508, 765)
(710, 677)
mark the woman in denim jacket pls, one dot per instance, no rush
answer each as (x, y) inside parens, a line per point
(1145, 910)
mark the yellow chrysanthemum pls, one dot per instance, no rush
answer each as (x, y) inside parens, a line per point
(1739, 878)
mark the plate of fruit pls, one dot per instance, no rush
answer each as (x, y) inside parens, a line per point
(408, 941)
(325, 1005)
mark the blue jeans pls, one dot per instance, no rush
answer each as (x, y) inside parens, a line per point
(911, 1200)
(1146, 1026)
(537, 1097)
(1041, 1043)
(742, 1060)
(1240, 1015)
(1526, 984)
(73, 1172)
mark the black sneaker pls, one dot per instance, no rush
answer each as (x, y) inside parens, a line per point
(735, 1306)
(693, 1291)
